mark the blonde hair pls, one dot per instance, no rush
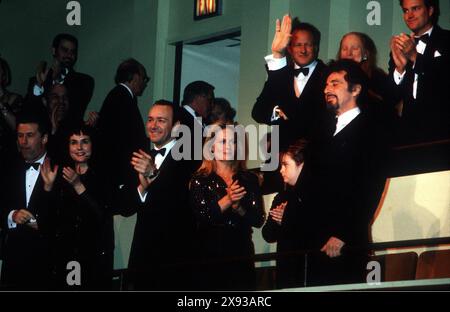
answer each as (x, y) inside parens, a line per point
(209, 166)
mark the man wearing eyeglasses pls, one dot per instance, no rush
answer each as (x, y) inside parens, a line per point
(121, 128)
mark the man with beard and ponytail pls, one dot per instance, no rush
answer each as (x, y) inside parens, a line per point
(346, 182)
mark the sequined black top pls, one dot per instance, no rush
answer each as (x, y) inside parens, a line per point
(206, 191)
(224, 236)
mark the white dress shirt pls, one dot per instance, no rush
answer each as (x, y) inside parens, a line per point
(344, 119)
(301, 80)
(420, 48)
(31, 176)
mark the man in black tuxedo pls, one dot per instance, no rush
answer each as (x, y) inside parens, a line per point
(292, 95)
(418, 69)
(121, 128)
(346, 180)
(165, 225)
(27, 209)
(198, 100)
(80, 86)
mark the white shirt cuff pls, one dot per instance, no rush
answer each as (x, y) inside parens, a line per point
(275, 63)
(11, 223)
(142, 196)
(38, 91)
(275, 115)
(398, 78)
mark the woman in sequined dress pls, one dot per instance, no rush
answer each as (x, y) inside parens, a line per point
(227, 203)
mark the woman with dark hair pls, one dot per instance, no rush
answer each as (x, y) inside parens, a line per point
(283, 224)
(227, 203)
(85, 217)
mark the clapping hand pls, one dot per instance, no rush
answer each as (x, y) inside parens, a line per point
(145, 166)
(407, 46)
(278, 212)
(73, 179)
(236, 192)
(41, 73)
(48, 174)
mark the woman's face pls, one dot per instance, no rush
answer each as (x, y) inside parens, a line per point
(352, 49)
(80, 148)
(224, 145)
(290, 171)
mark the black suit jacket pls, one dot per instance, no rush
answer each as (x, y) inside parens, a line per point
(346, 181)
(121, 132)
(164, 228)
(291, 235)
(28, 253)
(80, 88)
(188, 120)
(301, 112)
(426, 117)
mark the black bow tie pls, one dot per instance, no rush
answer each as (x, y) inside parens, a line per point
(304, 70)
(423, 38)
(155, 152)
(34, 165)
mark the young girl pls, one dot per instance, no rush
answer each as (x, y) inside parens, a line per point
(284, 222)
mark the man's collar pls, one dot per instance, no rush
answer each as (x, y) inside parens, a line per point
(128, 88)
(190, 110)
(349, 115)
(40, 160)
(168, 146)
(428, 32)
(311, 65)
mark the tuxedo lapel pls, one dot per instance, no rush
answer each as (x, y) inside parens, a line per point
(350, 129)
(38, 189)
(20, 188)
(312, 82)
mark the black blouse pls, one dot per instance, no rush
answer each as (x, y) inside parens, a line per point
(206, 191)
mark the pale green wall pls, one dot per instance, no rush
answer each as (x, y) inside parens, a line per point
(26, 35)
(110, 32)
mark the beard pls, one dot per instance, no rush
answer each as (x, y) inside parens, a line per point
(333, 104)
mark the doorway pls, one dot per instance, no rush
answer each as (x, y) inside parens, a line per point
(214, 60)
